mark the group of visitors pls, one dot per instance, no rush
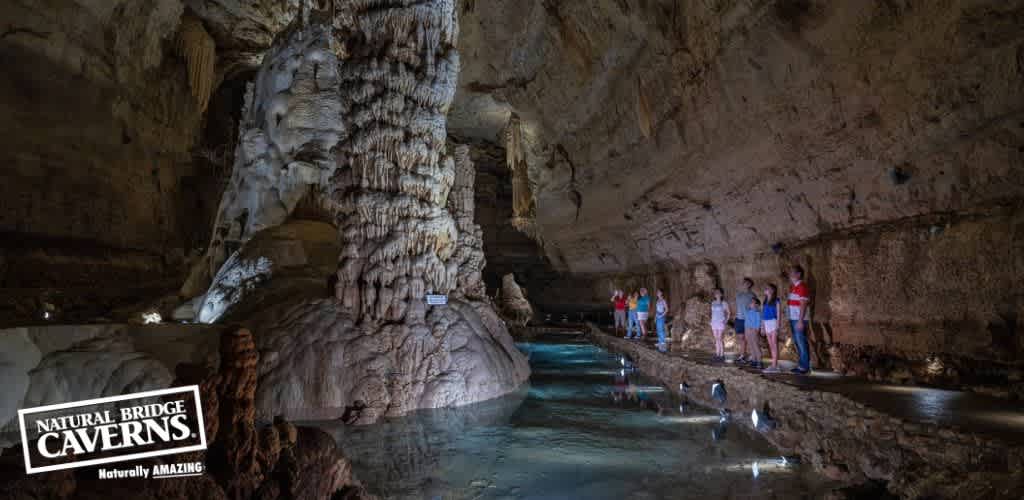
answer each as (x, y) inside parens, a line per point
(631, 314)
(754, 319)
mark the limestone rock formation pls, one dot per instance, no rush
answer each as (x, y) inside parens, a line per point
(99, 196)
(244, 458)
(469, 255)
(397, 87)
(462, 353)
(290, 127)
(514, 304)
(359, 132)
(56, 364)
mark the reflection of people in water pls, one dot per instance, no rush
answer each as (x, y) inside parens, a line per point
(624, 388)
(639, 395)
(619, 389)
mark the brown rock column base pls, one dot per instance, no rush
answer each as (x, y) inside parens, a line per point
(844, 439)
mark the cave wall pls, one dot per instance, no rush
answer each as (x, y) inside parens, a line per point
(99, 190)
(882, 141)
(932, 300)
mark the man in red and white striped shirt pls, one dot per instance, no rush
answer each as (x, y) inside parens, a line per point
(799, 297)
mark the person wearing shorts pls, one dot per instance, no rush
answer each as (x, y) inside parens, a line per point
(752, 325)
(619, 300)
(742, 303)
(632, 316)
(719, 313)
(770, 324)
(643, 305)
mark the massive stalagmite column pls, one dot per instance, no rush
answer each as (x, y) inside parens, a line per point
(397, 85)
(351, 107)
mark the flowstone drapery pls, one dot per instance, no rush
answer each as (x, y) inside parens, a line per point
(469, 254)
(350, 108)
(290, 126)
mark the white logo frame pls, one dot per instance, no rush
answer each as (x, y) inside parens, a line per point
(194, 389)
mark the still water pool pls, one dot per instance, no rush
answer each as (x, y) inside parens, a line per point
(587, 427)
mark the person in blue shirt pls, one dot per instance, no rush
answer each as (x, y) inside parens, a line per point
(643, 305)
(752, 323)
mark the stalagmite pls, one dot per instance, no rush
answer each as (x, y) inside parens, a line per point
(363, 128)
(514, 305)
(199, 51)
(398, 90)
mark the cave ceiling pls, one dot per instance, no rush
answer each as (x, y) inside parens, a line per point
(662, 131)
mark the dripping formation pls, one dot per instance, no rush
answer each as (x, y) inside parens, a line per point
(199, 51)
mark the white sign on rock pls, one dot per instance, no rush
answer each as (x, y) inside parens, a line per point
(437, 300)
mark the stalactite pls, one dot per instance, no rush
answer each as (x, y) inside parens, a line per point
(515, 157)
(643, 111)
(199, 51)
(523, 206)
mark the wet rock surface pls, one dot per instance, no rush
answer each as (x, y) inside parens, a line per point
(461, 354)
(846, 439)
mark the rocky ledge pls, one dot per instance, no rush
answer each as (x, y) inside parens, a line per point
(843, 438)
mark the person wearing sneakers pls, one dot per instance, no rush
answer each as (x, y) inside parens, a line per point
(660, 312)
(799, 297)
(752, 323)
(742, 303)
(631, 303)
(619, 301)
(770, 324)
(719, 313)
(643, 306)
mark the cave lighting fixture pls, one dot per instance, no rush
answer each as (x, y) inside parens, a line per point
(151, 318)
(762, 421)
(718, 392)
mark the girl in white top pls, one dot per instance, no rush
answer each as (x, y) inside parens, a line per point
(719, 312)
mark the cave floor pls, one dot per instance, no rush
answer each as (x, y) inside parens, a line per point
(587, 426)
(961, 410)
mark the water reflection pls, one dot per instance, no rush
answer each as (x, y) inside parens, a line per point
(588, 426)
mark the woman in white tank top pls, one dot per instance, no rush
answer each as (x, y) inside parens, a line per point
(719, 312)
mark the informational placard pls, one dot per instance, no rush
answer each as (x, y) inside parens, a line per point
(437, 300)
